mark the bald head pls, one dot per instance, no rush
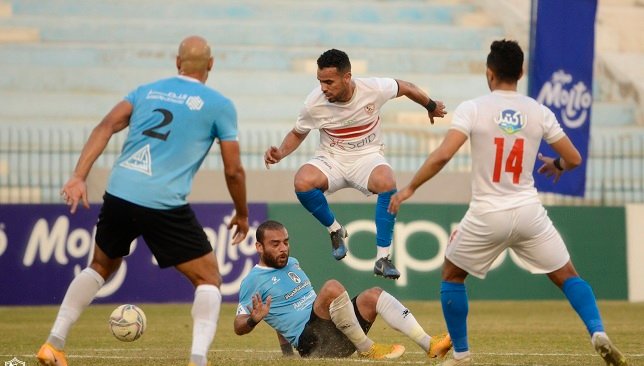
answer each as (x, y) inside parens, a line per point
(193, 58)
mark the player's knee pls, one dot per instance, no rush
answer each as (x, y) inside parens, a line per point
(333, 287)
(373, 294)
(106, 268)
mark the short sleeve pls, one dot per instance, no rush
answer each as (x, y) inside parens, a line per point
(245, 299)
(305, 122)
(552, 131)
(225, 127)
(464, 117)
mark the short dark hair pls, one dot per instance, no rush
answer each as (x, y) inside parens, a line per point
(267, 225)
(335, 58)
(505, 60)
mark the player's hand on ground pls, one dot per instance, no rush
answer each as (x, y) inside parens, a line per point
(272, 156)
(548, 168)
(73, 192)
(398, 198)
(260, 309)
(439, 112)
(241, 228)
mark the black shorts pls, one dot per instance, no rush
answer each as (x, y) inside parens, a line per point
(174, 236)
(321, 338)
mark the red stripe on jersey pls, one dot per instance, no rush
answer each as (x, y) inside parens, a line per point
(351, 132)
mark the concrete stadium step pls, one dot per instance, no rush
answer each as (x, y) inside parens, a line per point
(23, 106)
(311, 11)
(234, 32)
(238, 57)
(233, 83)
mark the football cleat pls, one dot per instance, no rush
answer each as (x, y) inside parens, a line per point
(383, 351)
(467, 361)
(439, 346)
(339, 250)
(611, 355)
(48, 355)
(385, 268)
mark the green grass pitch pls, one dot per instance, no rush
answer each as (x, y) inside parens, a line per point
(501, 333)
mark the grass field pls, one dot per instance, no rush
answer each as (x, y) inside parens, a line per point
(501, 333)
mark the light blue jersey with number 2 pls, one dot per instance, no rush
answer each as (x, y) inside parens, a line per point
(292, 297)
(173, 125)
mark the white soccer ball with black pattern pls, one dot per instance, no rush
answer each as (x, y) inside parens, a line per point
(127, 322)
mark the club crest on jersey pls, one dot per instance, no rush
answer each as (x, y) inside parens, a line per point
(511, 121)
(140, 161)
(370, 108)
(294, 277)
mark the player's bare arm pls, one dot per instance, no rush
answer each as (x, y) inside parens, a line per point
(569, 158)
(236, 183)
(435, 108)
(291, 142)
(434, 163)
(75, 190)
(245, 323)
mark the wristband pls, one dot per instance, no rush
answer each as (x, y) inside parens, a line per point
(431, 106)
(557, 163)
(250, 322)
(287, 350)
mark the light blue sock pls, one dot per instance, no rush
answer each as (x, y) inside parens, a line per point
(455, 309)
(315, 202)
(581, 297)
(385, 221)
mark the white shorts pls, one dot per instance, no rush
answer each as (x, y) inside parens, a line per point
(480, 239)
(347, 171)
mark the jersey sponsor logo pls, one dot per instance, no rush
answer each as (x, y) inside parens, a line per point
(511, 121)
(297, 289)
(572, 99)
(194, 103)
(140, 161)
(167, 97)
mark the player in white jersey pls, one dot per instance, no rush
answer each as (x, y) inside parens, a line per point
(172, 123)
(327, 324)
(346, 111)
(505, 130)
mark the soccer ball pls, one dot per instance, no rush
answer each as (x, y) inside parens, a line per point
(127, 322)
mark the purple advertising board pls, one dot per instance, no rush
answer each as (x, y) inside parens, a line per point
(42, 248)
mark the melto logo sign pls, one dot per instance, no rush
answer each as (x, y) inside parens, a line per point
(571, 97)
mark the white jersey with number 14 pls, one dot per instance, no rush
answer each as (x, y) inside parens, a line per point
(505, 129)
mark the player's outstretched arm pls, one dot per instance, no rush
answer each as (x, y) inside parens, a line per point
(75, 190)
(245, 323)
(236, 183)
(291, 142)
(432, 165)
(435, 108)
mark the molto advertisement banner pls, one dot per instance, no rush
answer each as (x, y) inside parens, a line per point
(595, 238)
(42, 248)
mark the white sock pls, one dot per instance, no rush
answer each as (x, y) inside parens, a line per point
(461, 355)
(334, 227)
(205, 313)
(397, 316)
(344, 318)
(382, 252)
(79, 295)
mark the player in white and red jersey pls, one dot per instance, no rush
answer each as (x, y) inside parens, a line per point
(346, 111)
(505, 129)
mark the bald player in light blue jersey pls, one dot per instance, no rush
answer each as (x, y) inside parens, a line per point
(327, 324)
(172, 124)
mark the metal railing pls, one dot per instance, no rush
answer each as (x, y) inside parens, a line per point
(36, 161)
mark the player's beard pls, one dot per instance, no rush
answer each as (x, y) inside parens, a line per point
(278, 261)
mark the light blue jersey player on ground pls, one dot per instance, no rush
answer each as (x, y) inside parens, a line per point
(328, 324)
(172, 125)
